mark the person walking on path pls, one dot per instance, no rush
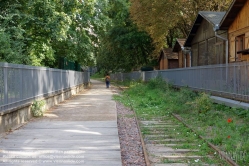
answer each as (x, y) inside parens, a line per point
(107, 80)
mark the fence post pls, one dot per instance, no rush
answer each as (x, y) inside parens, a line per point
(33, 85)
(234, 80)
(5, 74)
(246, 83)
(21, 82)
(89, 77)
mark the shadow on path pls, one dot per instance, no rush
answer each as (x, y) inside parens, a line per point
(79, 131)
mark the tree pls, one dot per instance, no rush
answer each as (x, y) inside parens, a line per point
(59, 29)
(165, 19)
(12, 46)
(123, 46)
(40, 32)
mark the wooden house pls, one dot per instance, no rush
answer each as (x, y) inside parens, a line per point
(208, 46)
(183, 55)
(168, 59)
(236, 22)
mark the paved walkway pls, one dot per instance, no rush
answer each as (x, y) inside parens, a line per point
(79, 131)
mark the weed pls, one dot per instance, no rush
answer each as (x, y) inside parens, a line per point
(37, 108)
(203, 103)
(168, 161)
(157, 100)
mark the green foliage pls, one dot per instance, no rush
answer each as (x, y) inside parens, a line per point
(5, 46)
(242, 113)
(37, 108)
(187, 95)
(119, 35)
(169, 20)
(11, 33)
(39, 32)
(99, 74)
(156, 83)
(159, 83)
(123, 47)
(223, 126)
(203, 103)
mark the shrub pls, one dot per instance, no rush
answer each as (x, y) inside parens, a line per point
(203, 103)
(158, 83)
(37, 108)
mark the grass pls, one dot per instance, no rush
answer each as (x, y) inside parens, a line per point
(223, 126)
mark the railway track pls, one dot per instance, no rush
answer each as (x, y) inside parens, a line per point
(168, 142)
(166, 145)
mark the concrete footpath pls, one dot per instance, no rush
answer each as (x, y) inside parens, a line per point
(79, 131)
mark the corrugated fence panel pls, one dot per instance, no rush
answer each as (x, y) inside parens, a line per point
(228, 80)
(20, 84)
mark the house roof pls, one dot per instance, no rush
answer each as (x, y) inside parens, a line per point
(214, 18)
(178, 45)
(231, 14)
(169, 54)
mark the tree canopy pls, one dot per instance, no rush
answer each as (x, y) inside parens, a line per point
(117, 34)
(123, 47)
(166, 20)
(39, 32)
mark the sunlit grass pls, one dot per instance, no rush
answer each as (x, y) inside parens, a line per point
(159, 99)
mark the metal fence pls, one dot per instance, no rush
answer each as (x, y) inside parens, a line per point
(20, 84)
(229, 80)
(92, 70)
(137, 75)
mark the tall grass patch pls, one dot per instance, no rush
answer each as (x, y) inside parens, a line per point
(225, 127)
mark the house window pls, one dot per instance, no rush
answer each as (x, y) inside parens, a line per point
(240, 45)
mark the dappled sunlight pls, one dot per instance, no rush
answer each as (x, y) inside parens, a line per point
(79, 129)
(50, 115)
(97, 92)
(83, 127)
(83, 132)
(78, 105)
(42, 154)
(75, 103)
(87, 105)
(98, 148)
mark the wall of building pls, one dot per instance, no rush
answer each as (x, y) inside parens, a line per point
(181, 59)
(239, 27)
(166, 63)
(188, 60)
(173, 63)
(206, 48)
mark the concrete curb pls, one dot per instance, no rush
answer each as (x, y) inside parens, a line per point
(230, 103)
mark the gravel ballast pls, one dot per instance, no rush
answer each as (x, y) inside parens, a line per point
(129, 137)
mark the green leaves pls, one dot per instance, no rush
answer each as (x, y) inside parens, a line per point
(37, 108)
(123, 47)
(167, 19)
(39, 32)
